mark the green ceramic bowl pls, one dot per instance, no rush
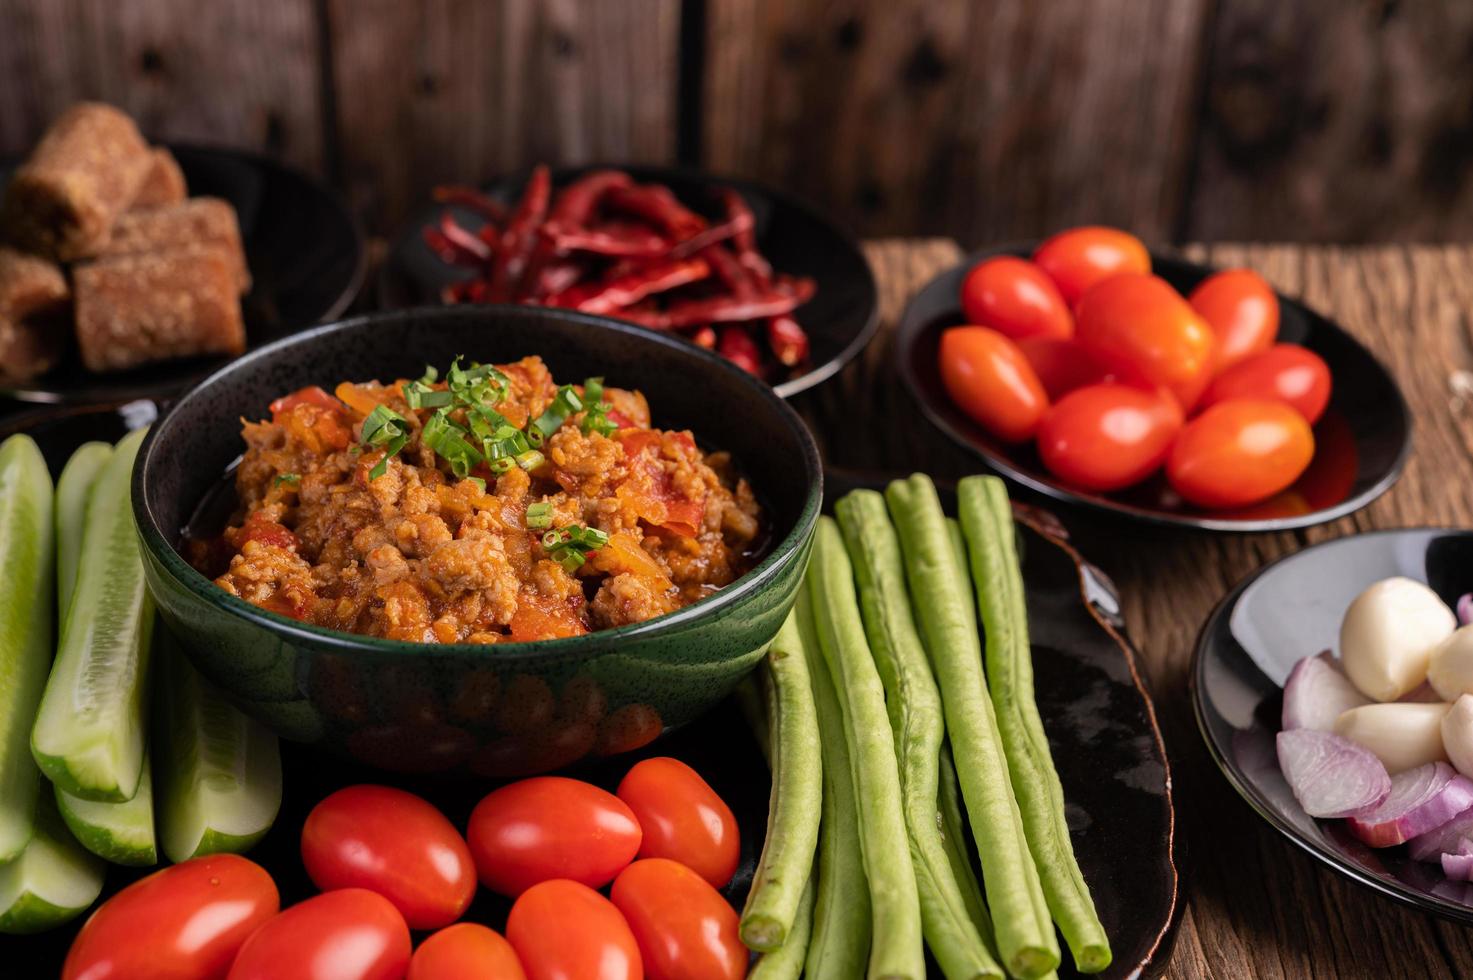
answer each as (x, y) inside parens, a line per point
(499, 711)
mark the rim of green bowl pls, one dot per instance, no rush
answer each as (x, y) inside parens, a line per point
(162, 550)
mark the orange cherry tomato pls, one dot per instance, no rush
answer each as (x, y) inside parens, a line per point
(348, 934)
(685, 929)
(1242, 310)
(1082, 257)
(1239, 452)
(1108, 436)
(465, 951)
(393, 843)
(1142, 330)
(551, 827)
(1287, 372)
(1062, 365)
(1016, 298)
(562, 930)
(185, 922)
(988, 378)
(683, 819)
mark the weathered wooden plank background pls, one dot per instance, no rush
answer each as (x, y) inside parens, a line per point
(1335, 120)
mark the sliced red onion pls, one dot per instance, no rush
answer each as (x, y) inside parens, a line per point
(1423, 693)
(1331, 776)
(1420, 800)
(1465, 608)
(1317, 693)
(1458, 867)
(1446, 839)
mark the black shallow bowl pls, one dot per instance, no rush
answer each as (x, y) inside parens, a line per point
(304, 248)
(1292, 609)
(1361, 442)
(840, 319)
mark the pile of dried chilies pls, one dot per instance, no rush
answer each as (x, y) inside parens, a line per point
(605, 244)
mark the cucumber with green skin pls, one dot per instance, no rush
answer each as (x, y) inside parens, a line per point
(52, 881)
(121, 833)
(219, 770)
(26, 555)
(88, 736)
(73, 491)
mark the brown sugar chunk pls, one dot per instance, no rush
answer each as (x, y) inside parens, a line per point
(33, 307)
(85, 171)
(205, 221)
(163, 184)
(137, 309)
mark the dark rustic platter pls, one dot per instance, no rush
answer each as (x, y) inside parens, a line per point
(1292, 609)
(798, 239)
(1099, 718)
(1361, 442)
(306, 255)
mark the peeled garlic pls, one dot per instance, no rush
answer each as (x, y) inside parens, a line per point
(1403, 736)
(1388, 635)
(1450, 669)
(1457, 735)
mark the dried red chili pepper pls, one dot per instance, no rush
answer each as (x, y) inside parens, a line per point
(629, 288)
(519, 237)
(779, 299)
(554, 278)
(659, 207)
(736, 345)
(709, 236)
(788, 340)
(463, 239)
(468, 197)
(727, 270)
(704, 337)
(576, 203)
(745, 241)
(620, 239)
(447, 251)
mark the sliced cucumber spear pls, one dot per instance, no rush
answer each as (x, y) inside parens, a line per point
(25, 630)
(73, 490)
(52, 881)
(89, 734)
(119, 832)
(219, 770)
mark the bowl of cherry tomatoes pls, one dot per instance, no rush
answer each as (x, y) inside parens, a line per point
(1101, 374)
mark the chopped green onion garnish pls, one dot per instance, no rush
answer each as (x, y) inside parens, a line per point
(504, 464)
(446, 438)
(530, 460)
(291, 478)
(570, 546)
(566, 402)
(539, 515)
(571, 559)
(480, 483)
(593, 391)
(387, 428)
(596, 418)
(417, 394)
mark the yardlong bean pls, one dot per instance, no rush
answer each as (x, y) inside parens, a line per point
(786, 962)
(1025, 935)
(987, 521)
(914, 707)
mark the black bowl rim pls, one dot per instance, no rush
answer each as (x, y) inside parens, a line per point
(30, 394)
(158, 545)
(909, 328)
(787, 199)
(1244, 787)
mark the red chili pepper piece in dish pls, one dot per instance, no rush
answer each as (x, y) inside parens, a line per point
(736, 345)
(577, 202)
(788, 340)
(659, 206)
(629, 288)
(471, 199)
(520, 238)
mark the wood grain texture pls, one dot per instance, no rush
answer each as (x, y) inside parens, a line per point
(1256, 906)
(240, 72)
(461, 90)
(986, 121)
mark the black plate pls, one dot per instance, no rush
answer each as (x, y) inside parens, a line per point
(840, 319)
(1100, 721)
(1361, 442)
(1292, 609)
(304, 248)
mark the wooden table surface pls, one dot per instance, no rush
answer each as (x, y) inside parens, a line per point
(1255, 906)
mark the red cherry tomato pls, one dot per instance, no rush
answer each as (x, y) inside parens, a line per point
(1243, 312)
(1081, 257)
(1141, 328)
(1014, 297)
(685, 929)
(1104, 437)
(185, 922)
(1285, 372)
(562, 930)
(683, 819)
(550, 827)
(1239, 452)
(348, 934)
(393, 843)
(988, 378)
(1062, 365)
(465, 951)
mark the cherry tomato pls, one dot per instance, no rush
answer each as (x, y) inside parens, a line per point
(685, 929)
(988, 377)
(1014, 297)
(550, 827)
(393, 843)
(185, 922)
(562, 930)
(1238, 452)
(465, 951)
(1241, 309)
(1104, 437)
(1062, 365)
(1141, 328)
(683, 819)
(628, 728)
(1082, 257)
(1285, 372)
(348, 934)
